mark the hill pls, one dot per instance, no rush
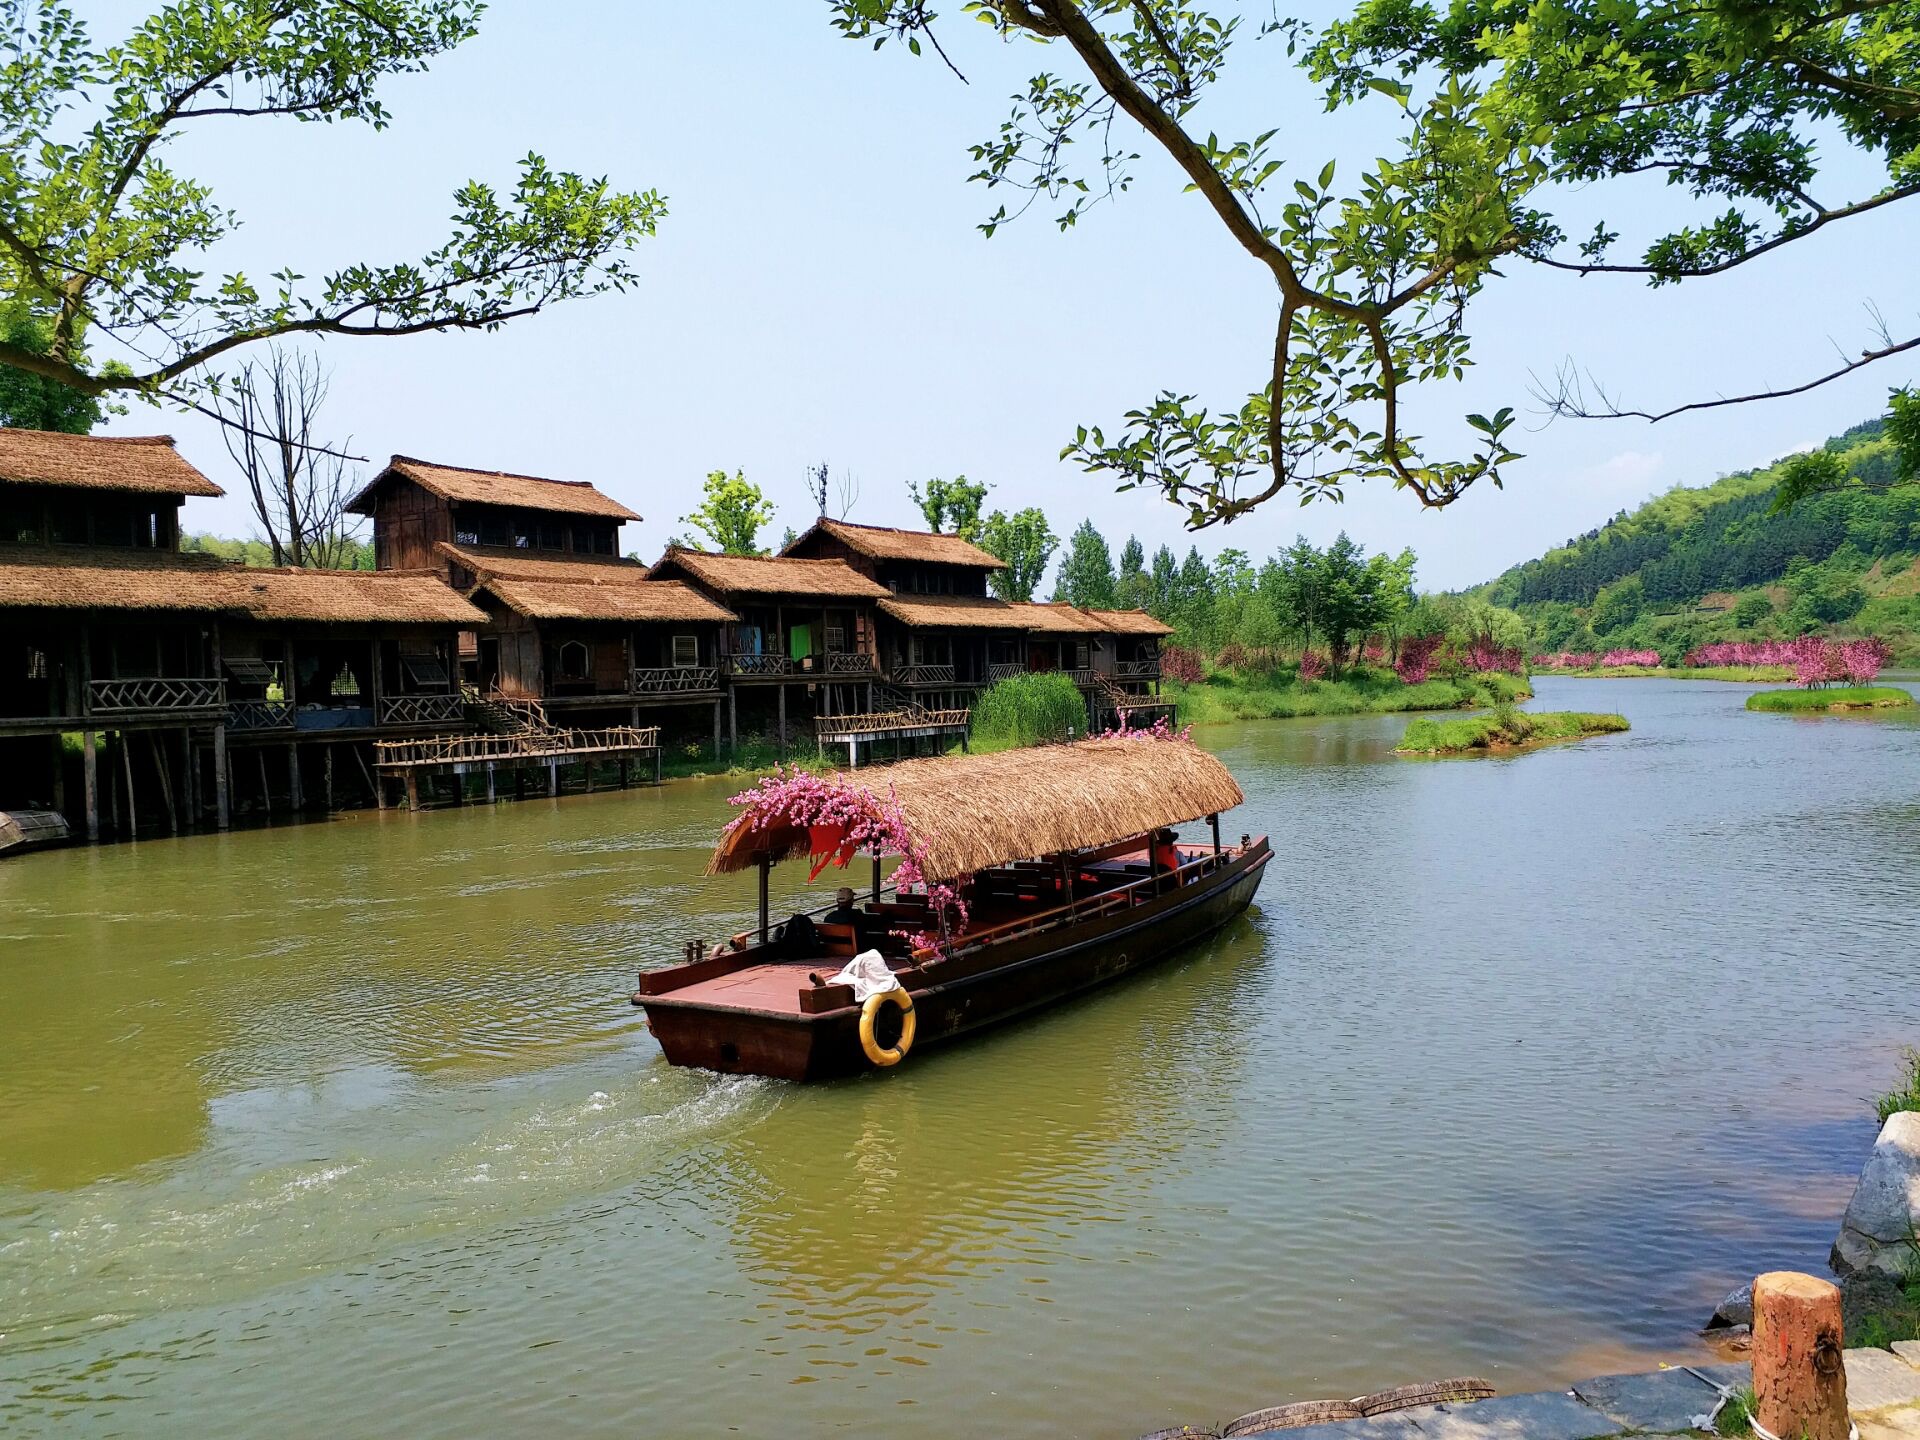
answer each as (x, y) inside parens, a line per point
(1713, 563)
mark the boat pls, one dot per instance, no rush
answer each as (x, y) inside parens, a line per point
(26, 829)
(1024, 878)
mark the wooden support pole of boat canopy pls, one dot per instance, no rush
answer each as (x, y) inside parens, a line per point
(90, 778)
(876, 875)
(1214, 821)
(222, 780)
(766, 873)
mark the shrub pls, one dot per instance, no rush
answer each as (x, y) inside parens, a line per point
(1416, 657)
(1906, 1094)
(1028, 710)
(1232, 657)
(1313, 665)
(1177, 662)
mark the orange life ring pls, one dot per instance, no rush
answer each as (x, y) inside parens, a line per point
(871, 1010)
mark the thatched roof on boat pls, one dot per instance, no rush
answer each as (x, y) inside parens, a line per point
(971, 811)
(660, 601)
(494, 487)
(139, 464)
(882, 542)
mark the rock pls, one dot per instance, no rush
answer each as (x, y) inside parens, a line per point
(1665, 1400)
(1736, 1309)
(1884, 1214)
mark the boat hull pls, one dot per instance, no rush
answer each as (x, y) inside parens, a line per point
(997, 983)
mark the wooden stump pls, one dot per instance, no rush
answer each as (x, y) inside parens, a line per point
(1799, 1378)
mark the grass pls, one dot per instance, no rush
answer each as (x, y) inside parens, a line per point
(1228, 695)
(1906, 1094)
(1504, 728)
(1027, 710)
(1736, 1416)
(1845, 697)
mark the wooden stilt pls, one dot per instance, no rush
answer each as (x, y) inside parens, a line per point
(222, 780)
(266, 799)
(374, 783)
(59, 775)
(623, 772)
(716, 730)
(326, 776)
(586, 771)
(733, 722)
(553, 777)
(783, 721)
(413, 789)
(166, 782)
(490, 770)
(1799, 1380)
(126, 768)
(659, 762)
(90, 780)
(296, 792)
(196, 802)
(519, 783)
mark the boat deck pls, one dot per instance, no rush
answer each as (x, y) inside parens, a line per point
(1012, 895)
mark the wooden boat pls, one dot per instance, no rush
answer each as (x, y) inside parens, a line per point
(26, 829)
(1053, 850)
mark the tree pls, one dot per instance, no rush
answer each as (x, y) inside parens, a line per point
(100, 236)
(1370, 287)
(1134, 590)
(1163, 579)
(1618, 606)
(33, 402)
(1504, 107)
(298, 484)
(957, 501)
(1749, 610)
(732, 510)
(1086, 571)
(1024, 541)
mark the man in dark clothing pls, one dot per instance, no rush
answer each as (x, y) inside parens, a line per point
(844, 913)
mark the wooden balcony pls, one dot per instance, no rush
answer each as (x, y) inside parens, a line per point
(759, 667)
(997, 673)
(678, 679)
(253, 716)
(922, 675)
(1136, 670)
(126, 699)
(419, 710)
(849, 663)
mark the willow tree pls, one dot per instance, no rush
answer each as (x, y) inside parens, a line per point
(104, 243)
(1501, 105)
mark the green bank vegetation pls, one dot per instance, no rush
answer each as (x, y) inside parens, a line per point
(1738, 674)
(1226, 694)
(1503, 729)
(1905, 1095)
(1840, 697)
(1027, 710)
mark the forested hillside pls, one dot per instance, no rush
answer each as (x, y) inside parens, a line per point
(1710, 563)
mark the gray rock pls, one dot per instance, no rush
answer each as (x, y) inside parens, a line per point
(1664, 1400)
(1736, 1309)
(1879, 1230)
(1397, 1426)
(1553, 1415)
(1909, 1351)
(1876, 1378)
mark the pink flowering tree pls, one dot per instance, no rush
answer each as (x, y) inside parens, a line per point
(1862, 659)
(1313, 665)
(854, 819)
(1416, 657)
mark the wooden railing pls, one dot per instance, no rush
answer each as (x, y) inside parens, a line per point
(1083, 678)
(849, 662)
(419, 710)
(1137, 670)
(922, 675)
(752, 666)
(997, 673)
(675, 679)
(540, 745)
(259, 715)
(131, 697)
(888, 721)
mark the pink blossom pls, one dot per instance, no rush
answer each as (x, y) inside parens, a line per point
(1313, 665)
(1161, 729)
(1416, 657)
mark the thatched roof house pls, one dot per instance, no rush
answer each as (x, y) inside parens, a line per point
(769, 576)
(879, 543)
(953, 612)
(1130, 622)
(460, 484)
(640, 601)
(131, 464)
(971, 811)
(37, 578)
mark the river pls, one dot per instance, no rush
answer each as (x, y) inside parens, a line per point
(1516, 1065)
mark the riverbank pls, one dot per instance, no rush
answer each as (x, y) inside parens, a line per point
(1506, 729)
(1227, 696)
(1846, 697)
(1737, 674)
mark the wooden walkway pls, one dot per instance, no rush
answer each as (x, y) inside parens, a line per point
(853, 731)
(550, 749)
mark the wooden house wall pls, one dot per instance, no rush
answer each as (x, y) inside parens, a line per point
(407, 522)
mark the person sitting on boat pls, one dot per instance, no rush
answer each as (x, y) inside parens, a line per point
(1166, 854)
(844, 912)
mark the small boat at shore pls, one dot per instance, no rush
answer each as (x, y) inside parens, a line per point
(1024, 878)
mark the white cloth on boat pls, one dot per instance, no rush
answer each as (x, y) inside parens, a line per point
(868, 974)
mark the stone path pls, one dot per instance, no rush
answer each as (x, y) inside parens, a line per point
(1883, 1392)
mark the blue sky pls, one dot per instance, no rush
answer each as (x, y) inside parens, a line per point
(819, 291)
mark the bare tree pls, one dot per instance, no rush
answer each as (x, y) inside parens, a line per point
(817, 486)
(299, 484)
(847, 488)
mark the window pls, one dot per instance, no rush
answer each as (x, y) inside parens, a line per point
(686, 651)
(524, 532)
(603, 540)
(1080, 660)
(426, 672)
(345, 683)
(466, 533)
(576, 661)
(36, 663)
(836, 639)
(494, 530)
(553, 535)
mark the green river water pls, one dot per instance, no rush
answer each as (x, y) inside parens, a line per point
(346, 1128)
